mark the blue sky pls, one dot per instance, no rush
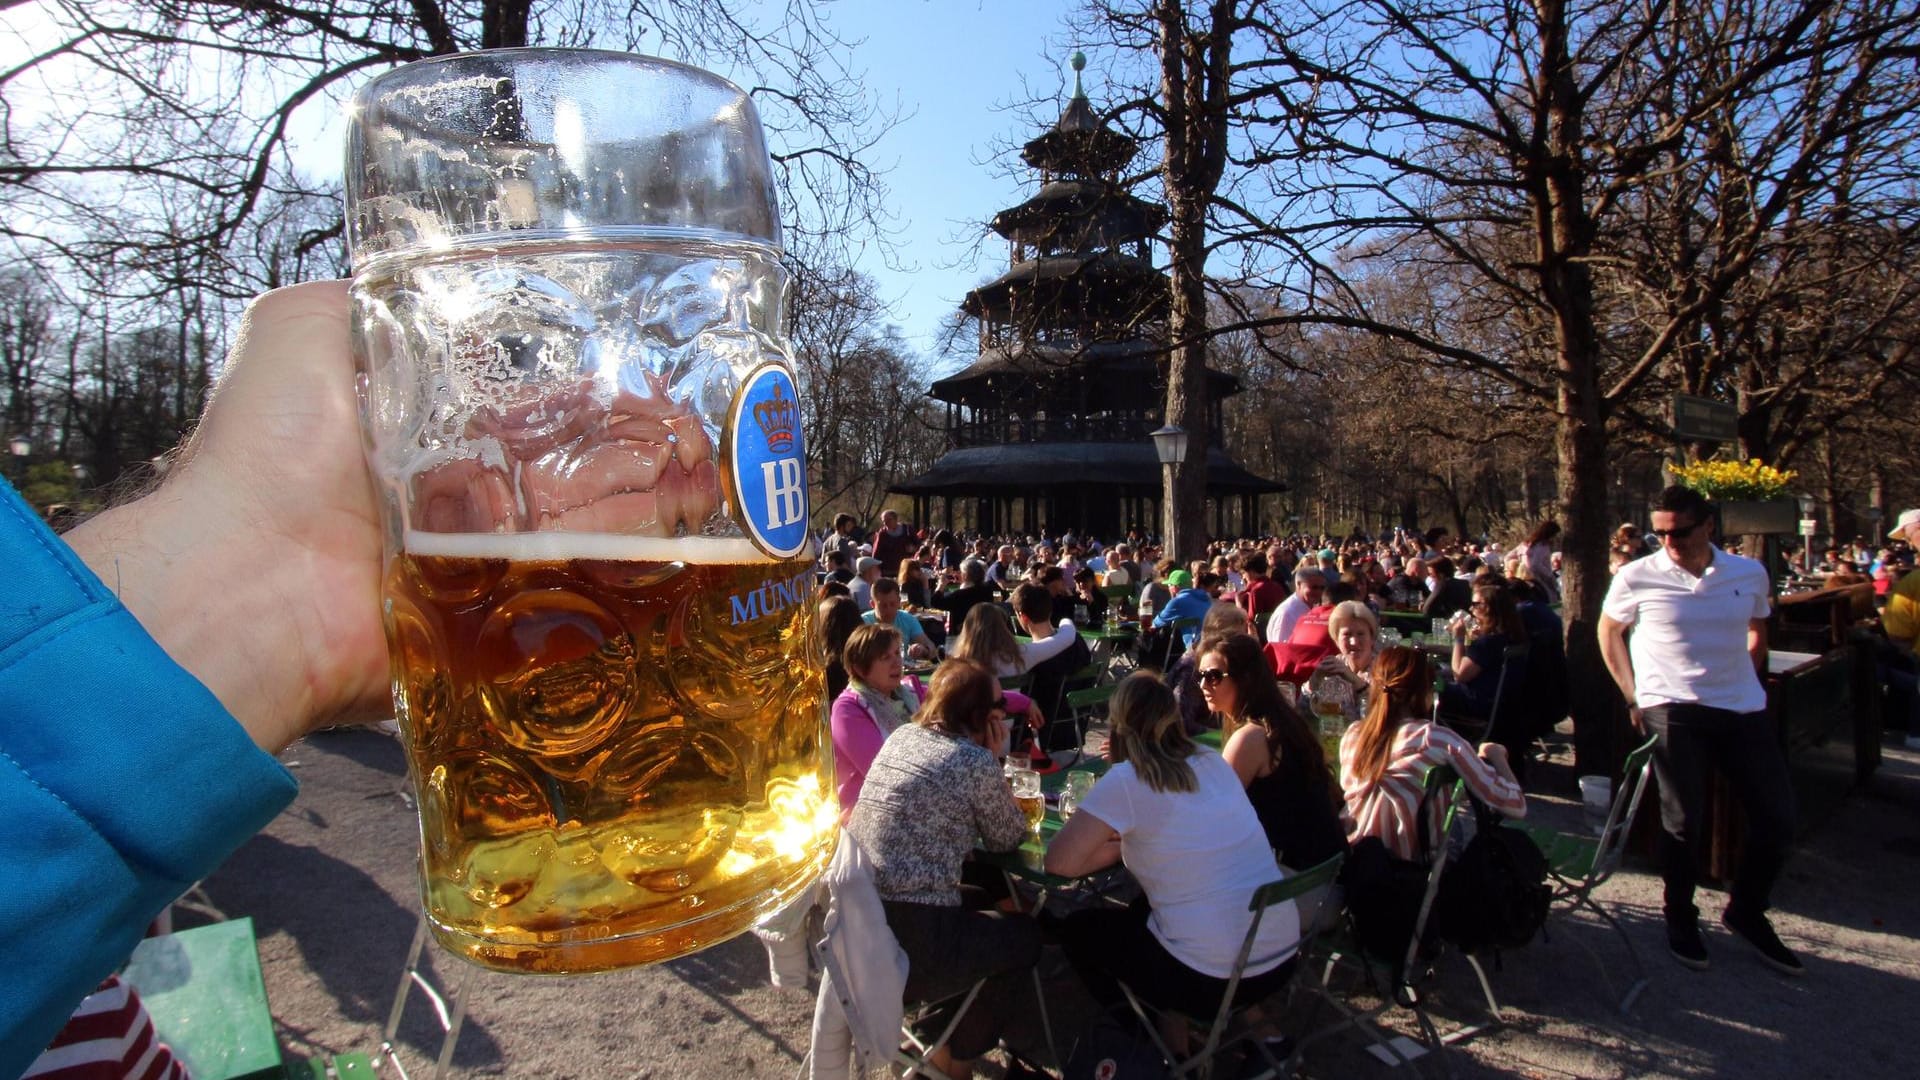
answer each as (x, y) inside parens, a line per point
(956, 66)
(953, 68)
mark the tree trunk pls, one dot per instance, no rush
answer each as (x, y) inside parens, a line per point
(1193, 73)
(1565, 232)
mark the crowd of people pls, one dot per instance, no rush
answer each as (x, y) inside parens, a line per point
(282, 532)
(1235, 642)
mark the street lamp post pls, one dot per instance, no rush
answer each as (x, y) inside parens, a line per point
(1807, 506)
(1170, 445)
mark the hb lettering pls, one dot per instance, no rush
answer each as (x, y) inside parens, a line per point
(786, 492)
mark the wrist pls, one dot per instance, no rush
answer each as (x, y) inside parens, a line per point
(213, 604)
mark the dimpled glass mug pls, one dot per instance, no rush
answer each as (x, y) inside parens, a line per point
(583, 425)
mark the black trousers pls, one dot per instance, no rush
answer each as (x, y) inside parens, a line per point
(1694, 741)
(950, 948)
(1109, 946)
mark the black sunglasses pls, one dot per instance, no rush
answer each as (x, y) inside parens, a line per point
(1678, 533)
(999, 703)
(1209, 676)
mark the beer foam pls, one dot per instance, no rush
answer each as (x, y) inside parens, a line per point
(563, 547)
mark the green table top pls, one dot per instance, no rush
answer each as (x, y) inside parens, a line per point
(1027, 861)
(203, 989)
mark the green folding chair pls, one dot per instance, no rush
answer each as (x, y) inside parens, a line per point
(1082, 706)
(1200, 1063)
(1580, 864)
(1403, 981)
(1176, 633)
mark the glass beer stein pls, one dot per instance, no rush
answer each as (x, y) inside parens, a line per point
(581, 418)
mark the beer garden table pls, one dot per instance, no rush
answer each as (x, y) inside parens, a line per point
(1028, 863)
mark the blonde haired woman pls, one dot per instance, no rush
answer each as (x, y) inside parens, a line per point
(1355, 631)
(1174, 813)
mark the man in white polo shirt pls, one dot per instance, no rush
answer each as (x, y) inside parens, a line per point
(1690, 669)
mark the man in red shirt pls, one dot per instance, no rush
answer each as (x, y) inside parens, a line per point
(1261, 594)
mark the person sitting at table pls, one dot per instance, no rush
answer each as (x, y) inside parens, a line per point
(834, 623)
(865, 573)
(886, 612)
(1195, 716)
(1274, 751)
(1059, 593)
(1173, 812)
(958, 602)
(932, 793)
(1355, 630)
(1191, 599)
(986, 638)
(1385, 758)
(913, 584)
(1450, 594)
(1087, 594)
(1309, 585)
(877, 699)
(1261, 595)
(1050, 666)
(1494, 624)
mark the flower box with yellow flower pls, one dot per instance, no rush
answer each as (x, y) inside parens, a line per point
(1751, 496)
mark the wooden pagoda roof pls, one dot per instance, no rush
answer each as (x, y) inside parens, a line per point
(1079, 143)
(1103, 286)
(1022, 468)
(1061, 201)
(1003, 375)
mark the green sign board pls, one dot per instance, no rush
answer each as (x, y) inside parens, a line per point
(1698, 419)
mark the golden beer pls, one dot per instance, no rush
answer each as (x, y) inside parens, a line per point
(1034, 808)
(621, 756)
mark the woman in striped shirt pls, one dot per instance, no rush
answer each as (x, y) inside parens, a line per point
(1385, 758)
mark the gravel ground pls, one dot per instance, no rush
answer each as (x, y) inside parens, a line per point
(331, 888)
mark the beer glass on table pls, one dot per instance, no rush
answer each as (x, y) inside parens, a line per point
(581, 419)
(1028, 796)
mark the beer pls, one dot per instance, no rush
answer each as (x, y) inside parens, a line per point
(1034, 807)
(621, 753)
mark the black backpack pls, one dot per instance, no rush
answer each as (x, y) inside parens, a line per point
(1494, 894)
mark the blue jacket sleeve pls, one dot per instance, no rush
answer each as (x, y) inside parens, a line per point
(122, 782)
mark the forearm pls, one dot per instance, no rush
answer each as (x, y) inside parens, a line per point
(1619, 659)
(218, 608)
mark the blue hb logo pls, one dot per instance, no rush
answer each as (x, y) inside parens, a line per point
(768, 462)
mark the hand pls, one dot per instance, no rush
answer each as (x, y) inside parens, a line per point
(256, 565)
(919, 651)
(1001, 735)
(1638, 719)
(1493, 753)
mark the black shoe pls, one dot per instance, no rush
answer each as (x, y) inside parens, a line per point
(1686, 944)
(1756, 931)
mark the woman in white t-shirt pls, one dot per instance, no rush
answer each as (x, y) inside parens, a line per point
(1175, 813)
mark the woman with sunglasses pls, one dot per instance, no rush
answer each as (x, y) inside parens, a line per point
(1277, 757)
(1494, 620)
(933, 791)
(1172, 811)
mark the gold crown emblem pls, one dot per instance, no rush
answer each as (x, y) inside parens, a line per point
(777, 418)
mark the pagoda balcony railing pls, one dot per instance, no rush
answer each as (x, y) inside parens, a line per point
(1004, 335)
(1053, 429)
